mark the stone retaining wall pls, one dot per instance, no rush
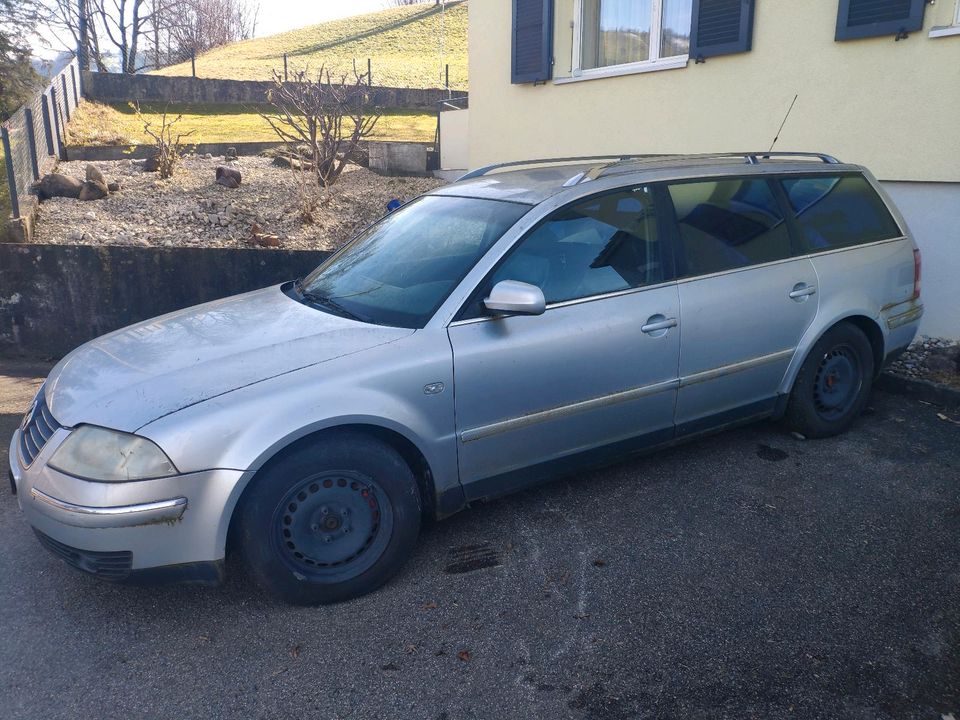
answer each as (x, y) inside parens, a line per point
(55, 297)
(117, 87)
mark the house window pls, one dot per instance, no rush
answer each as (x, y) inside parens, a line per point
(948, 30)
(630, 34)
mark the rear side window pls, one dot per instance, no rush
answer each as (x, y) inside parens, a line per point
(727, 224)
(837, 211)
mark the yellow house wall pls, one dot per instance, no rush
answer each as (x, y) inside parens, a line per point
(892, 106)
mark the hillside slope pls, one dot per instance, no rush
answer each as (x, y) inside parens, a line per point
(405, 45)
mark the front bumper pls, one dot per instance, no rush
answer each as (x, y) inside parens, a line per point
(164, 524)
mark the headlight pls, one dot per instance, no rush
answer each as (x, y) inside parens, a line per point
(96, 453)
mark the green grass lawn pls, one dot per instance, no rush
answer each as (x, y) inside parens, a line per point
(408, 47)
(117, 124)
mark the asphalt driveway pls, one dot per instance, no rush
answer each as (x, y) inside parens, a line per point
(747, 575)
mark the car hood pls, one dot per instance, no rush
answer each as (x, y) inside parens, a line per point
(135, 375)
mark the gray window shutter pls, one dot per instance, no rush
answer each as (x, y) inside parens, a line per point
(532, 52)
(721, 27)
(870, 18)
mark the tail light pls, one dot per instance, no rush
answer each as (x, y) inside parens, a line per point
(916, 274)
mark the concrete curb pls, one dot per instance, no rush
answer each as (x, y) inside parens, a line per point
(926, 390)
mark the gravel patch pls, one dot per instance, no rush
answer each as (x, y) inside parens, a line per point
(936, 359)
(191, 209)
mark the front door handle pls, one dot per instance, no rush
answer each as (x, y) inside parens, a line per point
(658, 324)
(801, 291)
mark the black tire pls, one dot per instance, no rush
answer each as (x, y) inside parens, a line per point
(833, 384)
(330, 521)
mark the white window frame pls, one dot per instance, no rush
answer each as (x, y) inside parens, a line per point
(656, 34)
(947, 30)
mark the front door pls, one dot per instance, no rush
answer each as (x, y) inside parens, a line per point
(746, 302)
(598, 368)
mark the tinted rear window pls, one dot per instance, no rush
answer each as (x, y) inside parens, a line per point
(726, 224)
(839, 211)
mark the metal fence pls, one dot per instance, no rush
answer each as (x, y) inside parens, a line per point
(33, 137)
(383, 72)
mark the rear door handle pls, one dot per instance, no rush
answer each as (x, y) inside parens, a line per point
(801, 291)
(656, 323)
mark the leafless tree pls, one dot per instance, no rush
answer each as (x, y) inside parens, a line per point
(63, 17)
(150, 33)
(201, 25)
(328, 116)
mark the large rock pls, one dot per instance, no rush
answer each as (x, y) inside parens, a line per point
(93, 191)
(57, 185)
(94, 175)
(151, 164)
(228, 177)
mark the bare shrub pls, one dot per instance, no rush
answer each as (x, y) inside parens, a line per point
(329, 115)
(312, 196)
(168, 149)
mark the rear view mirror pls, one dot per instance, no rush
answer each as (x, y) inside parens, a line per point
(515, 297)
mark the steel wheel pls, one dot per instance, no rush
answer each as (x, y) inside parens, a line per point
(333, 525)
(836, 386)
(833, 384)
(331, 518)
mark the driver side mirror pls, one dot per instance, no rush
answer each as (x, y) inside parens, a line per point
(516, 298)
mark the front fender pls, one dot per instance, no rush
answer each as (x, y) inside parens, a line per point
(383, 387)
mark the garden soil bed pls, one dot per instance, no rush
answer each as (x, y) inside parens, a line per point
(190, 209)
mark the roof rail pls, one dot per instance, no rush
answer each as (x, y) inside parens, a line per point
(481, 171)
(755, 157)
(751, 158)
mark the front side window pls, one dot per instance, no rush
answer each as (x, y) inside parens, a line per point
(399, 271)
(835, 211)
(605, 244)
(622, 32)
(727, 224)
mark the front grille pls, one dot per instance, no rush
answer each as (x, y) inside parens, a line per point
(107, 565)
(37, 430)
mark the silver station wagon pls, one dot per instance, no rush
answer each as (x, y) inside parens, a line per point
(521, 323)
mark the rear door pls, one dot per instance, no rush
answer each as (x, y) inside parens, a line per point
(745, 299)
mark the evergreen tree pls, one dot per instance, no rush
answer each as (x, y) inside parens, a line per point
(18, 79)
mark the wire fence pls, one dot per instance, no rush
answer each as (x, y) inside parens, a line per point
(382, 72)
(33, 137)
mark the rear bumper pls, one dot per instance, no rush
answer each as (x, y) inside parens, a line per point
(153, 530)
(902, 322)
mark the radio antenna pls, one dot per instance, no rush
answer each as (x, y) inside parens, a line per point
(777, 137)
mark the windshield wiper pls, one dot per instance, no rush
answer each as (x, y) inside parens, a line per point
(326, 302)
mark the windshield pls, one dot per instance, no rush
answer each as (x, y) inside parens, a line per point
(399, 271)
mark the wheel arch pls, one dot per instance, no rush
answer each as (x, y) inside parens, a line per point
(874, 334)
(868, 325)
(414, 457)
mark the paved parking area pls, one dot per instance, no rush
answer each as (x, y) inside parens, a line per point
(747, 575)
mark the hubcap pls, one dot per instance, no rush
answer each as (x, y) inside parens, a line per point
(838, 383)
(333, 524)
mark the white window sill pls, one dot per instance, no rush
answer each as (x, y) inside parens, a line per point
(631, 69)
(945, 31)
